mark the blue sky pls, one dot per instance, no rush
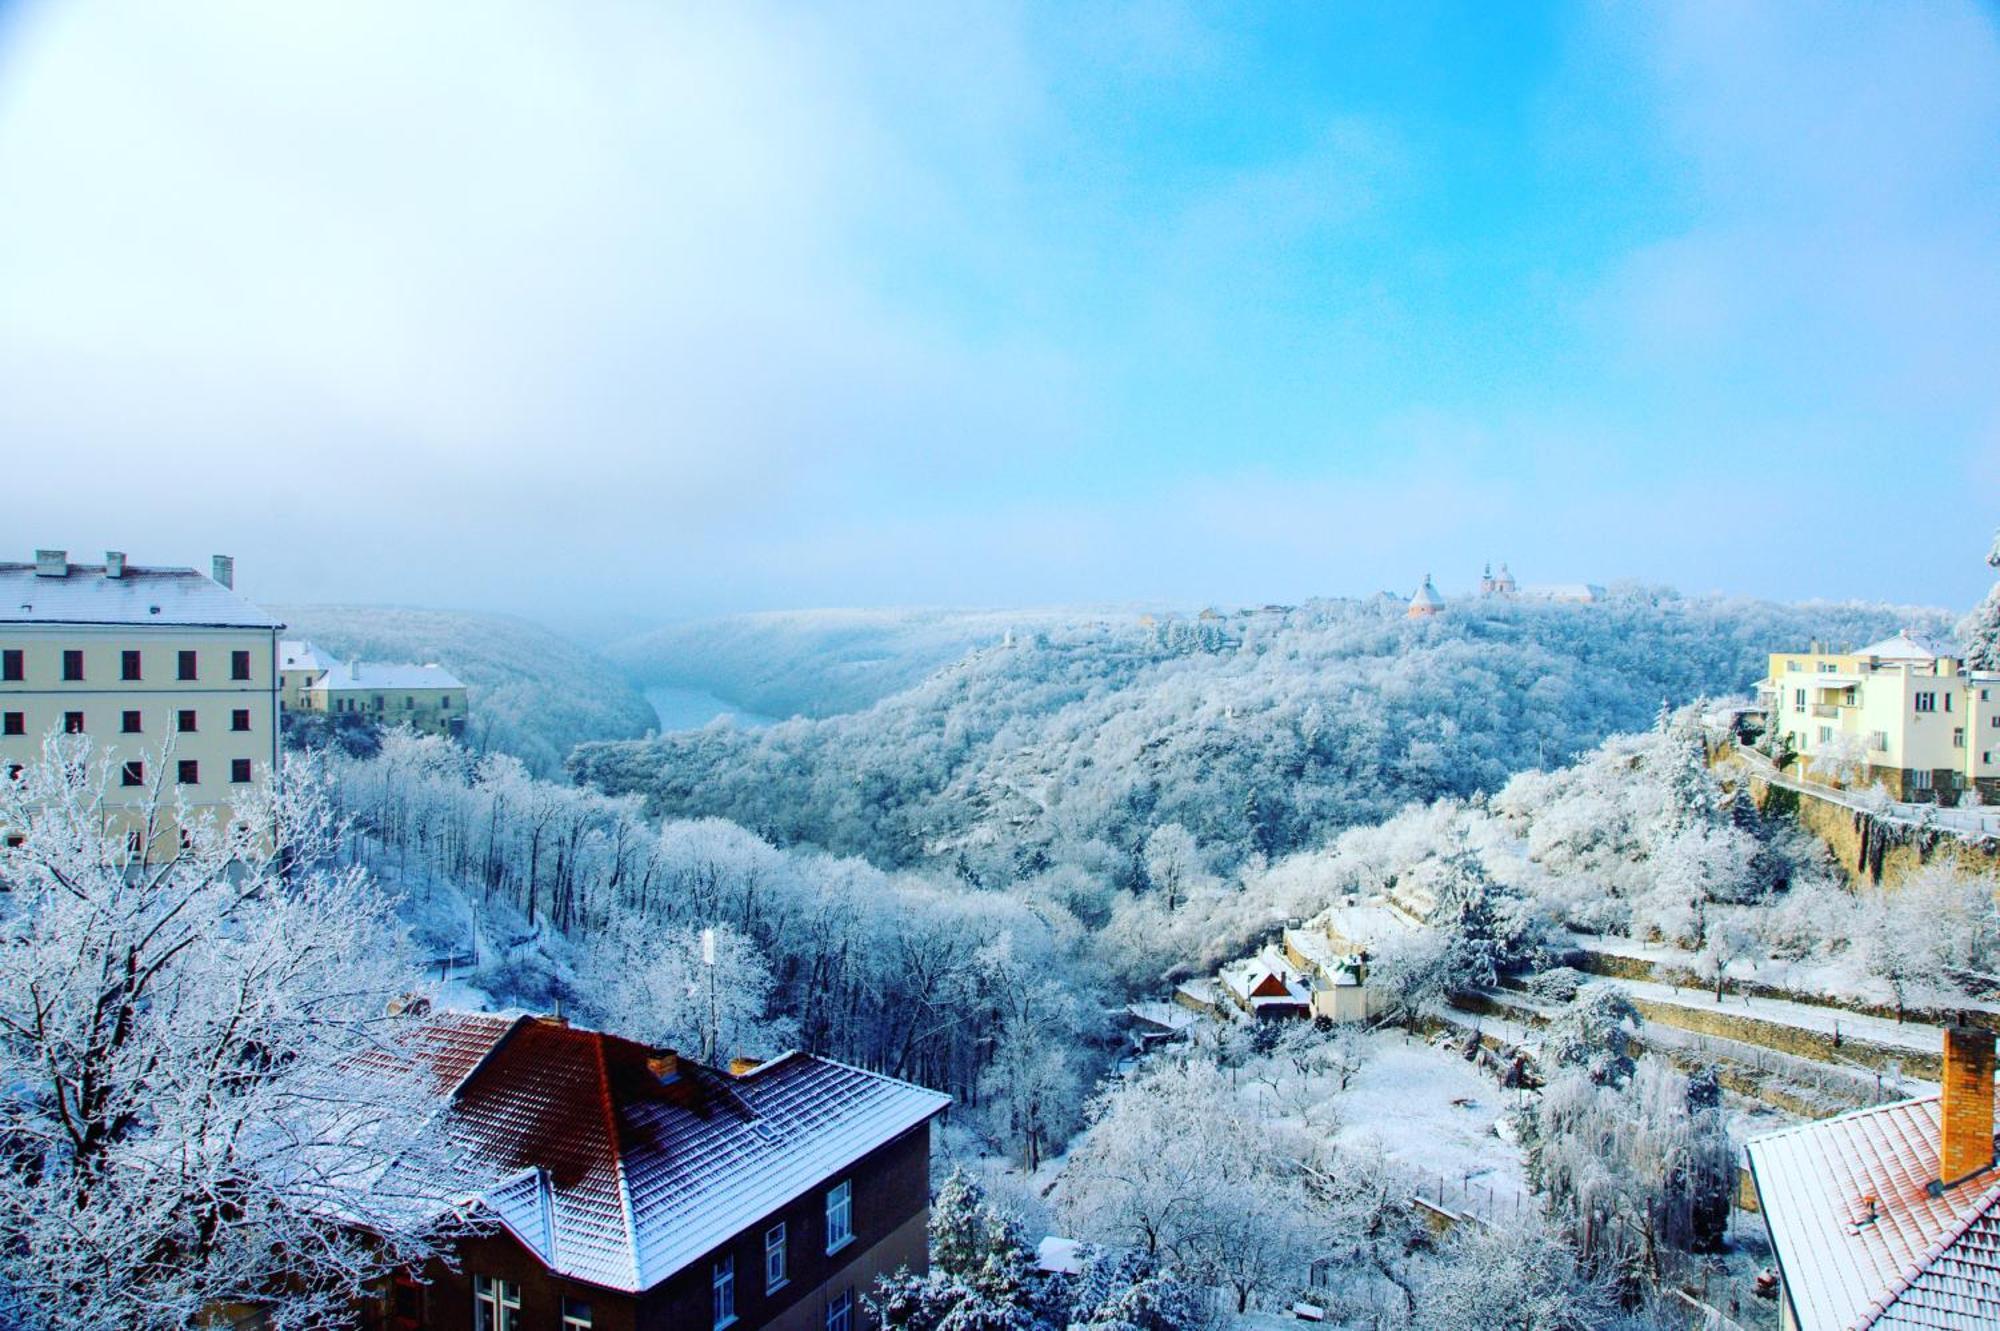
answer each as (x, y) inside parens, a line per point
(683, 309)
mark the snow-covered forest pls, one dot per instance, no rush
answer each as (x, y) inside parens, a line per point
(1259, 733)
(1244, 1167)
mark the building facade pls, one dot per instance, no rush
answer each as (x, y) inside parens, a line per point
(171, 675)
(428, 698)
(640, 1191)
(299, 664)
(1895, 712)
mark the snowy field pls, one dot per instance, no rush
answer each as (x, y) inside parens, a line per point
(1433, 1112)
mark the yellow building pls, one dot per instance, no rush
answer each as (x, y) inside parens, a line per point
(1895, 712)
(170, 673)
(424, 697)
(299, 664)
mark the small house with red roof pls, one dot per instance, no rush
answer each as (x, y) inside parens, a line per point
(640, 1191)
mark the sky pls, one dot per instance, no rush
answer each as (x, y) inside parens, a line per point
(648, 310)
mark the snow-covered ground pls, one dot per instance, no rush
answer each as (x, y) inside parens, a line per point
(1838, 979)
(1433, 1112)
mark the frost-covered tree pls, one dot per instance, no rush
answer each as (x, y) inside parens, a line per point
(1179, 1167)
(1632, 1170)
(982, 1273)
(207, 1099)
(1125, 1290)
(1032, 1087)
(1518, 1277)
(707, 992)
(1593, 1034)
(1929, 933)
(1979, 632)
(1172, 861)
(1842, 760)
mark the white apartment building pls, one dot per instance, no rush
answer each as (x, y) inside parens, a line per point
(1896, 712)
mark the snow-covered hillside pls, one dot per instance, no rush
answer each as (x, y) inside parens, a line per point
(1259, 732)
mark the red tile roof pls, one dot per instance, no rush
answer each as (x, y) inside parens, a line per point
(1862, 1239)
(621, 1163)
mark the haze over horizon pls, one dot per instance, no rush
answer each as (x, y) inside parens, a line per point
(657, 311)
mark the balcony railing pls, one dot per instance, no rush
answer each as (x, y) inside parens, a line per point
(1825, 709)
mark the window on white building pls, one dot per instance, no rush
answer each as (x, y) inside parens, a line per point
(496, 1304)
(1920, 779)
(1798, 700)
(840, 1215)
(1926, 702)
(1958, 737)
(1826, 734)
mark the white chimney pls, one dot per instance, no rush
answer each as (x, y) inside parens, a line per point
(51, 563)
(114, 563)
(223, 570)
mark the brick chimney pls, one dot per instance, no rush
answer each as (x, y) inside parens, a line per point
(1966, 1133)
(51, 563)
(223, 570)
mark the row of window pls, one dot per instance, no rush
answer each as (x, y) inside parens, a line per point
(496, 1306)
(131, 665)
(839, 1233)
(131, 721)
(409, 704)
(187, 772)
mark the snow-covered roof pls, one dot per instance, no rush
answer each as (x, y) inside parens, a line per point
(84, 594)
(1900, 646)
(1564, 591)
(1427, 597)
(1909, 1258)
(1318, 949)
(1059, 1256)
(298, 654)
(1198, 990)
(1265, 971)
(1366, 924)
(361, 676)
(1171, 1016)
(622, 1163)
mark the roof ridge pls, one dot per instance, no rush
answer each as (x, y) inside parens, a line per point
(1939, 1246)
(513, 1028)
(630, 1253)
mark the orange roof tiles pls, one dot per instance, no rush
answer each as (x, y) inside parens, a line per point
(1863, 1240)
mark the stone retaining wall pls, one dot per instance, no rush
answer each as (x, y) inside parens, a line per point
(1821, 1046)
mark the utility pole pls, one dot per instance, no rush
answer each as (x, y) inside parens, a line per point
(709, 1035)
